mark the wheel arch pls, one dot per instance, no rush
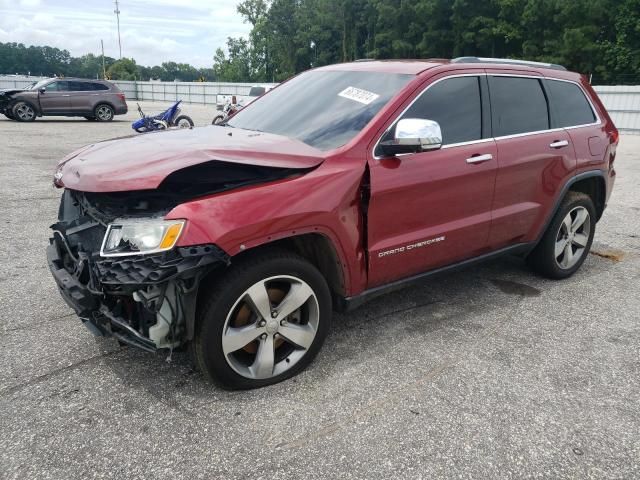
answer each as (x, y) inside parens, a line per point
(34, 104)
(592, 183)
(595, 187)
(104, 102)
(318, 249)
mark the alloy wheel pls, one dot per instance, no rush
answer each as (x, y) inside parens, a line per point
(104, 113)
(24, 111)
(572, 237)
(270, 327)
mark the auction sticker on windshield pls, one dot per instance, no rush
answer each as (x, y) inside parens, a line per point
(358, 95)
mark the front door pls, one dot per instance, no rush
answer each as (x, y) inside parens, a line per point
(433, 208)
(55, 98)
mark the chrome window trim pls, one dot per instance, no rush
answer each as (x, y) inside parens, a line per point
(485, 140)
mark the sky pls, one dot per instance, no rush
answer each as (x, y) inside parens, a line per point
(152, 31)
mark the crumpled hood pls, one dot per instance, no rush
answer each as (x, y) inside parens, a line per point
(142, 162)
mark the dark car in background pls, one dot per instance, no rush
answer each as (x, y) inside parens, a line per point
(70, 97)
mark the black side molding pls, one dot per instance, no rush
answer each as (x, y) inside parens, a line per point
(350, 303)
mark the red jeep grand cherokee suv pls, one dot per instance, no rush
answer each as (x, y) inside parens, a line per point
(342, 183)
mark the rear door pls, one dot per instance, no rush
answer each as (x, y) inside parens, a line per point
(55, 98)
(433, 208)
(80, 94)
(534, 158)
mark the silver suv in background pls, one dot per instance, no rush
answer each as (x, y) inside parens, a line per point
(71, 97)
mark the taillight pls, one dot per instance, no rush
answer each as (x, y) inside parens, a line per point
(122, 97)
(613, 139)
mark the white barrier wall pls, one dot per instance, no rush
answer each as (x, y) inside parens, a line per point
(622, 101)
(623, 104)
(190, 92)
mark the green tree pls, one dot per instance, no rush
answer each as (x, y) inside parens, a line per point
(123, 69)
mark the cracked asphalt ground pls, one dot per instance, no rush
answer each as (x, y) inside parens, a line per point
(487, 373)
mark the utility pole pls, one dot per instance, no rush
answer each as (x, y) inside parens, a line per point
(117, 12)
(104, 70)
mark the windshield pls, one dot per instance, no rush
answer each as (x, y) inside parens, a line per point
(41, 83)
(324, 109)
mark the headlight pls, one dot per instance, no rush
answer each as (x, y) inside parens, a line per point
(137, 237)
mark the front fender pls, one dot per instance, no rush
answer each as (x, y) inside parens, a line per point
(324, 201)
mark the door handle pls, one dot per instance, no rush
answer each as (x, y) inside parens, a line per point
(480, 158)
(559, 144)
(66, 95)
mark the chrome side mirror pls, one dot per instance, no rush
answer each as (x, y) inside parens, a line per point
(413, 135)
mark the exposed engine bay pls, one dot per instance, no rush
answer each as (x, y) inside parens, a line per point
(145, 300)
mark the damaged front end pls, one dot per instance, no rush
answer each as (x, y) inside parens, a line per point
(6, 97)
(145, 300)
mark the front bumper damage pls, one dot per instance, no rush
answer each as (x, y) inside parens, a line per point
(147, 301)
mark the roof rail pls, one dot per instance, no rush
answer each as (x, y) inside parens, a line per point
(507, 61)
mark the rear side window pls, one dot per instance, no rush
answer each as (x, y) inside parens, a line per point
(570, 107)
(455, 104)
(79, 86)
(98, 86)
(518, 105)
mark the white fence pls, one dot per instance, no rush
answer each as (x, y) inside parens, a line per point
(622, 102)
(623, 105)
(190, 92)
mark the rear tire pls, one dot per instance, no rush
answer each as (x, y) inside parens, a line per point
(567, 240)
(23, 112)
(104, 112)
(273, 283)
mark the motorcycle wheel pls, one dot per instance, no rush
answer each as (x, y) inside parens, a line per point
(141, 129)
(217, 120)
(183, 121)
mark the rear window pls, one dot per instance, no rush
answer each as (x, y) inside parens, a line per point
(570, 107)
(518, 105)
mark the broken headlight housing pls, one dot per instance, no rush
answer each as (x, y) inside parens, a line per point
(139, 237)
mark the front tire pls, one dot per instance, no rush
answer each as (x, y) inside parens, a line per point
(263, 322)
(217, 120)
(183, 121)
(103, 112)
(567, 241)
(23, 112)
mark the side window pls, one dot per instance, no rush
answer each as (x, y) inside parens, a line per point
(52, 87)
(518, 105)
(98, 86)
(570, 107)
(455, 104)
(78, 86)
(59, 86)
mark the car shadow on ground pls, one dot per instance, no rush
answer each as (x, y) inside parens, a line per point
(455, 307)
(418, 310)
